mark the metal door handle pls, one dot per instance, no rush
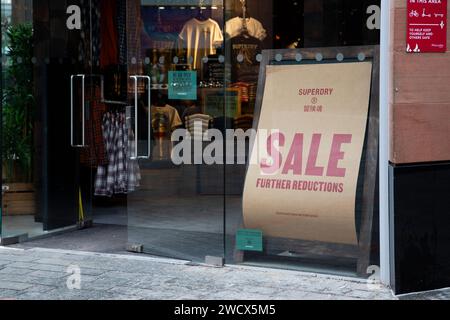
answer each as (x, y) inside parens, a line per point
(83, 112)
(83, 106)
(136, 115)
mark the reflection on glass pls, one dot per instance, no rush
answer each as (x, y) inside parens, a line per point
(19, 208)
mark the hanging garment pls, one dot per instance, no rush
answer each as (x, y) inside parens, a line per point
(133, 170)
(197, 125)
(235, 26)
(121, 175)
(199, 39)
(119, 148)
(243, 65)
(94, 154)
(90, 42)
(121, 23)
(109, 53)
(164, 121)
(134, 30)
(189, 111)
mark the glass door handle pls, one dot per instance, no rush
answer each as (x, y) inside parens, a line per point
(83, 111)
(83, 105)
(136, 155)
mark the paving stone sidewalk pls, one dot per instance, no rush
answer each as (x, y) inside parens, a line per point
(44, 274)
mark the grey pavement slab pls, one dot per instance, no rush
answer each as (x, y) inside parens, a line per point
(44, 274)
(11, 285)
(443, 294)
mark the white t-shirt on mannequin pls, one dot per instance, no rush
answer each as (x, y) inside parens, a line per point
(200, 39)
(255, 28)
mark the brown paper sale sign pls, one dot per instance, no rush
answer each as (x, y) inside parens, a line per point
(302, 179)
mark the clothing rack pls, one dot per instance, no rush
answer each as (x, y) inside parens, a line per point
(102, 92)
(117, 103)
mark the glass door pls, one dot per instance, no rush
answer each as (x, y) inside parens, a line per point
(177, 207)
(46, 60)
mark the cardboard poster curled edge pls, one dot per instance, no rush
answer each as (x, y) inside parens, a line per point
(321, 111)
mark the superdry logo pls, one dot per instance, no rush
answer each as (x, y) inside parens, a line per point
(316, 92)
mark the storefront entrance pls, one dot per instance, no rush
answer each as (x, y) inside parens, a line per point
(95, 92)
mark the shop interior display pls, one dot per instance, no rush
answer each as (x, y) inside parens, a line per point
(159, 40)
(173, 210)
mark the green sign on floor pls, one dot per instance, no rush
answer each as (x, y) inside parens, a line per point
(249, 240)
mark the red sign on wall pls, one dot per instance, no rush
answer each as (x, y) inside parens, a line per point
(427, 26)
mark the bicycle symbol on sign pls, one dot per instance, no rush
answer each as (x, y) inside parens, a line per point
(414, 13)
